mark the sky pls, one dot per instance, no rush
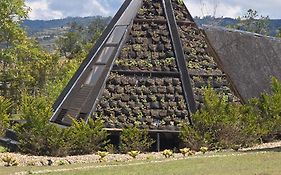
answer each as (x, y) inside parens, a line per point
(56, 9)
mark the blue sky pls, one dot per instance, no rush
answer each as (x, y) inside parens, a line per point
(54, 9)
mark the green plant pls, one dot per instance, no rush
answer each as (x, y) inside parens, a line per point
(150, 158)
(185, 151)
(102, 155)
(268, 107)
(134, 154)
(5, 106)
(110, 148)
(38, 137)
(153, 98)
(251, 21)
(87, 138)
(135, 139)
(61, 163)
(167, 153)
(10, 161)
(191, 137)
(3, 149)
(204, 149)
(221, 124)
(180, 2)
(168, 61)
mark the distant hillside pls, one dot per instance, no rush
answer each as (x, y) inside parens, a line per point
(47, 32)
(33, 26)
(274, 24)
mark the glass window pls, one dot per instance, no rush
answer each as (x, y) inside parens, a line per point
(96, 72)
(105, 55)
(116, 35)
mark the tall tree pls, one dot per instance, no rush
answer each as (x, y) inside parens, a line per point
(253, 22)
(80, 37)
(23, 65)
(11, 15)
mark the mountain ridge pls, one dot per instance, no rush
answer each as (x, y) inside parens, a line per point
(33, 26)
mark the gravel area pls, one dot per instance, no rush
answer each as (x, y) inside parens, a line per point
(27, 160)
(276, 144)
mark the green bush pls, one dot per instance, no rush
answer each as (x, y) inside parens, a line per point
(135, 139)
(87, 138)
(268, 107)
(203, 149)
(167, 153)
(191, 137)
(186, 151)
(5, 106)
(221, 124)
(102, 155)
(134, 154)
(38, 137)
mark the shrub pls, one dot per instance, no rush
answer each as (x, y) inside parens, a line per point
(38, 137)
(61, 163)
(135, 139)
(167, 153)
(10, 161)
(221, 124)
(5, 106)
(87, 138)
(268, 107)
(110, 148)
(134, 154)
(191, 137)
(204, 149)
(102, 155)
(185, 151)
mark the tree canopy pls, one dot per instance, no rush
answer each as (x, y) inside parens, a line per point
(251, 21)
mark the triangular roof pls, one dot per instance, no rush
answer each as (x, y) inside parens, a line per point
(148, 68)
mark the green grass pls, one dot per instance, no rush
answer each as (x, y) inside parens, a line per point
(216, 164)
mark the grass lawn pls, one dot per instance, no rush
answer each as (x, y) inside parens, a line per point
(252, 163)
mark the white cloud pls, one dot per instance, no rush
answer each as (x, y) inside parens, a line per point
(234, 8)
(97, 8)
(50, 9)
(41, 10)
(213, 8)
(101, 7)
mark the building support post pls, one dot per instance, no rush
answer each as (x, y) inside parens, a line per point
(158, 141)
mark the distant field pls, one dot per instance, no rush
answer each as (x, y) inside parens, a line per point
(252, 163)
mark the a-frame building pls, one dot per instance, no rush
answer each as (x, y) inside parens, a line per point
(149, 68)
